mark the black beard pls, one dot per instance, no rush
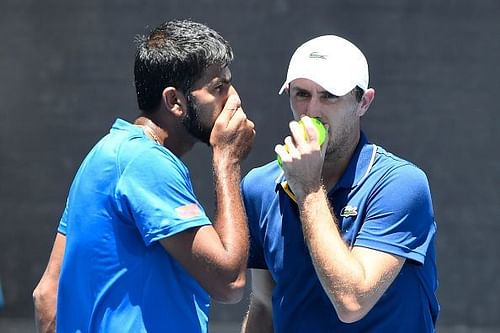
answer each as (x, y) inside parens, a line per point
(193, 124)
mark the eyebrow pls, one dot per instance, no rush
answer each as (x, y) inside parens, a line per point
(294, 89)
(322, 92)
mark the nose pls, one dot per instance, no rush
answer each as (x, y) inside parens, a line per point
(313, 108)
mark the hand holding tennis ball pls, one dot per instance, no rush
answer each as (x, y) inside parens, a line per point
(320, 134)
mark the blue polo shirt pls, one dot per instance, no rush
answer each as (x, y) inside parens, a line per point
(382, 202)
(116, 277)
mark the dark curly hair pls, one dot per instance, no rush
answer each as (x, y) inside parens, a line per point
(175, 54)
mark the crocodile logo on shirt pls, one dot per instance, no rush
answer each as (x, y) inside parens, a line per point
(349, 211)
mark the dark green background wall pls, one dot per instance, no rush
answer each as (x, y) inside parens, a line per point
(66, 74)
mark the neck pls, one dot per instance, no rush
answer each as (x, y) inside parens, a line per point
(336, 164)
(151, 129)
(166, 132)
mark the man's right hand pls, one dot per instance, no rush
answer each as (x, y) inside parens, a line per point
(233, 133)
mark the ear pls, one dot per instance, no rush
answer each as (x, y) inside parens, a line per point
(174, 101)
(366, 100)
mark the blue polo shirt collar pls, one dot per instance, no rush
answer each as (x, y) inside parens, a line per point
(121, 124)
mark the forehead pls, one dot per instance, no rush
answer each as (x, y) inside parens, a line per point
(306, 84)
(213, 74)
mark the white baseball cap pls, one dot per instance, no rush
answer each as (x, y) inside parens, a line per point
(332, 62)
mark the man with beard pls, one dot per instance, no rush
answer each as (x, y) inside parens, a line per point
(342, 236)
(135, 251)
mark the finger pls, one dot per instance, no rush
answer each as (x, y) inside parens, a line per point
(291, 148)
(232, 91)
(238, 118)
(250, 124)
(297, 133)
(310, 129)
(282, 153)
(243, 126)
(232, 105)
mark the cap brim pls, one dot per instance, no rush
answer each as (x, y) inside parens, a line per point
(283, 88)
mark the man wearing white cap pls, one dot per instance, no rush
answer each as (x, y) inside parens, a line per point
(342, 234)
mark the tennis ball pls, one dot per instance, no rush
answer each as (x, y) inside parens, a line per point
(320, 134)
(320, 130)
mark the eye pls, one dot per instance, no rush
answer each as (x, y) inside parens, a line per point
(302, 94)
(220, 88)
(327, 95)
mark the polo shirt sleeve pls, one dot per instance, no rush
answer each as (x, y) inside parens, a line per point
(399, 216)
(63, 222)
(155, 192)
(252, 202)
